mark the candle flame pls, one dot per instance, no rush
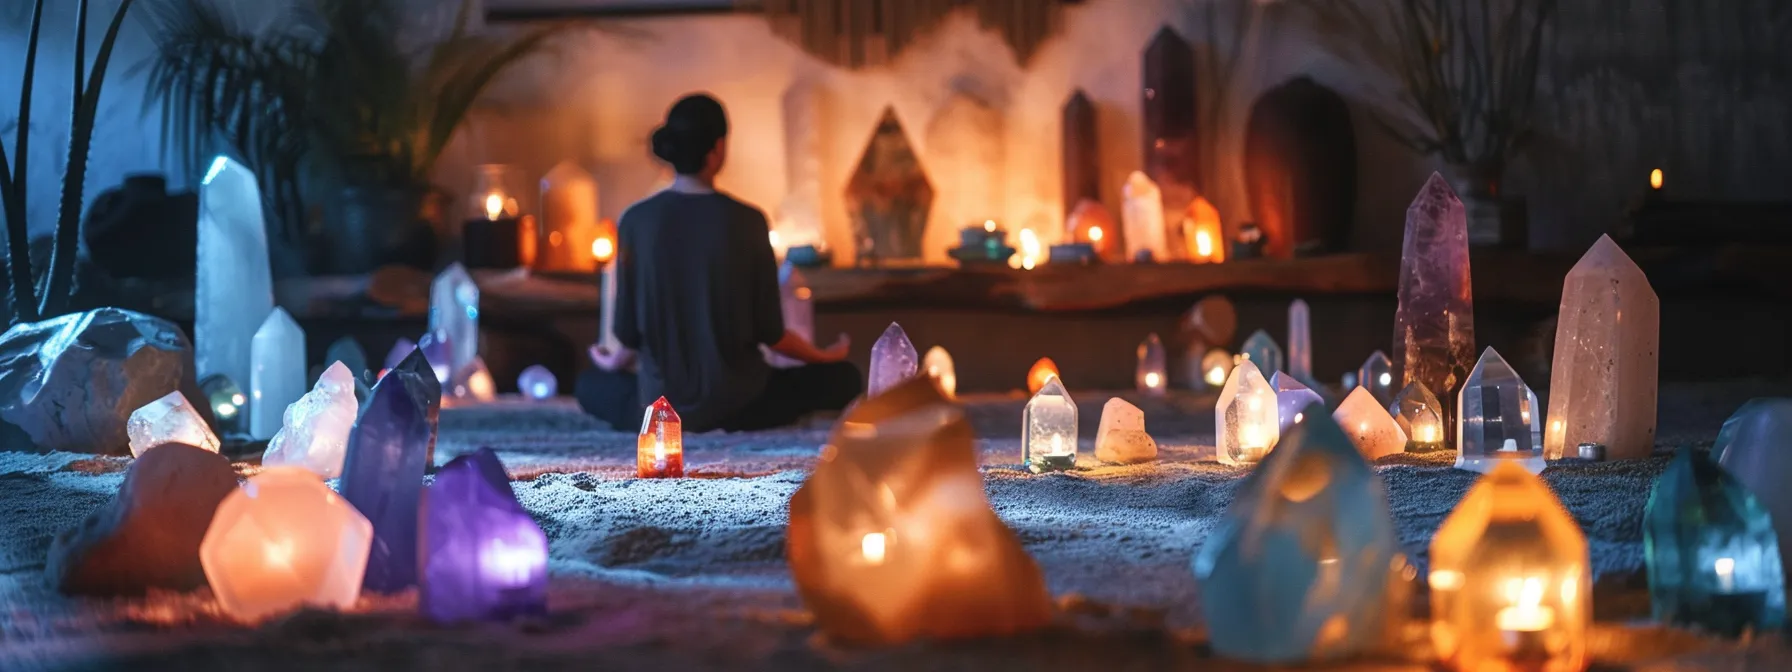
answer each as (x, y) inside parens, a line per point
(1152, 380)
(1425, 432)
(1095, 234)
(989, 225)
(1299, 417)
(1386, 379)
(1655, 179)
(872, 547)
(603, 249)
(494, 205)
(1029, 249)
(1203, 243)
(1216, 376)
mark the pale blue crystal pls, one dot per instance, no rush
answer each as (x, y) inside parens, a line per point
(1755, 446)
(1264, 352)
(1292, 398)
(1377, 376)
(348, 351)
(1711, 551)
(454, 313)
(1298, 568)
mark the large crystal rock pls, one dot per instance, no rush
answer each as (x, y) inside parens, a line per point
(938, 365)
(966, 153)
(1370, 428)
(1081, 156)
(314, 430)
(1297, 570)
(235, 289)
(483, 557)
(1121, 439)
(348, 351)
(170, 419)
(148, 536)
(1142, 217)
(388, 451)
(1608, 333)
(454, 313)
(1300, 340)
(1434, 326)
(889, 197)
(796, 301)
(1048, 429)
(71, 382)
(893, 360)
(1420, 416)
(1292, 399)
(1152, 374)
(1262, 350)
(538, 383)
(1493, 418)
(1377, 376)
(1713, 557)
(278, 379)
(1511, 585)
(282, 541)
(892, 539)
(1753, 447)
(1245, 419)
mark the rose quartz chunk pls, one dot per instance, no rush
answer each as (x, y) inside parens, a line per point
(1602, 385)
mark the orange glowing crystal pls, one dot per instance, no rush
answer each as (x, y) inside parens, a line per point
(660, 451)
(892, 538)
(284, 540)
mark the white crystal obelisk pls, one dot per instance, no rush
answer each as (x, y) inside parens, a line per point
(278, 376)
(1300, 341)
(233, 290)
(1142, 217)
(454, 310)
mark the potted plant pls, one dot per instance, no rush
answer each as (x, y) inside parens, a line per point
(331, 107)
(1467, 76)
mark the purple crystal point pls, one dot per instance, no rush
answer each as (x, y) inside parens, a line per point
(382, 475)
(483, 557)
(1434, 328)
(399, 351)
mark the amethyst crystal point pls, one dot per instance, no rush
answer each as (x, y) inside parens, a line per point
(399, 351)
(437, 351)
(1434, 327)
(388, 451)
(482, 556)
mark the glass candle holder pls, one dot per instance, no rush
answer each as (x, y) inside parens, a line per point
(1048, 429)
(1420, 416)
(1152, 374)
(1245, 418)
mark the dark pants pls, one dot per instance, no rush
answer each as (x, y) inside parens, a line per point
(790, 394)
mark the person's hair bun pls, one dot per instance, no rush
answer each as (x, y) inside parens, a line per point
(693, 127)
(665, 144)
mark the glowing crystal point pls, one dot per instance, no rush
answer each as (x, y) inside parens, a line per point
(1264, 352)
(1377, 376)
(1434, 326)
(438, 352)
(1048, 429)
(1420, 416)
(893, 360)
(1369, 426)
(170, 419)
(400, 350)
(278, 378)
(1511, 585)
(1121, 438)
(1142, 215)
(482, 556)
(1298, 569)
(537, 382)
(1713, 557)
(659, 451)
(797, 303)
(282, 541)
(389, 449)
(928, 558)
(1152, 375)
(1603, 383)
(1245, 419)
(314, 433)
(1292, 399)
(1300, 340)
(938, 365)
(235, 289)
(454, 313)
(1494, 418)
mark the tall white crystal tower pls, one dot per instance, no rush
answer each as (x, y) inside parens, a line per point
(1300, 341)
(277, 378)
(234, 289)
(454, 311)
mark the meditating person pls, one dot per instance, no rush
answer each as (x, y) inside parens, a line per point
(697, 294)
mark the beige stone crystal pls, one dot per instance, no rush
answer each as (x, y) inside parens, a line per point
(1122, 438)
(1369, 426)
(1603, 383)
(892, 538)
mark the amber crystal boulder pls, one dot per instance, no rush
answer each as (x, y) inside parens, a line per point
(891, 539)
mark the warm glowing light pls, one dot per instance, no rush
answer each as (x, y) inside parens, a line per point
(1426, 432)
(1029, 249)
(603, 249)
(1204, 243)
(989, 225)
(1299, 417)
(659, 452)
(1216, 376)
(1527, 613)
(1655, 179)
(1204, 232)
(509, 564)
(494, 205)
(773, 236)
(226, 410)
(1095, 234)
(1386, 379)
(1043, 370)
(238, 399)
(1153, 380)
(872, 547)
(278, 554)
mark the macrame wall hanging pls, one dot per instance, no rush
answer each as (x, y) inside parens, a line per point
(858, 33)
